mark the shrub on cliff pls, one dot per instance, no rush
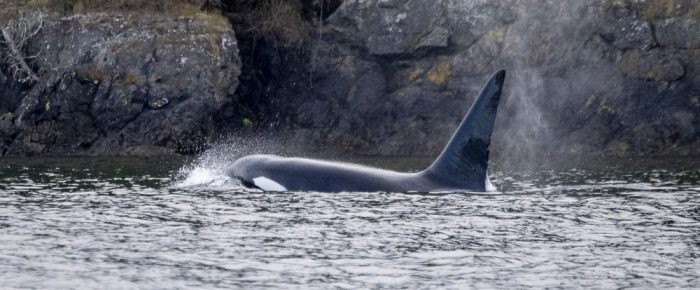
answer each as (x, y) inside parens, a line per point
(281, 21)
(91, 5)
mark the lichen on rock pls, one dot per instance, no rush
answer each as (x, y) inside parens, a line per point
(116, 82)
(390, 77)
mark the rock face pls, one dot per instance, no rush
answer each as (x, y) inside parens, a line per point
(585, 77)
(114, 84)
(389, 77)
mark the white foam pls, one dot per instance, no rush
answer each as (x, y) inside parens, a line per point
(489, 186)
(199, 176)
(207, 178)
(208, 170)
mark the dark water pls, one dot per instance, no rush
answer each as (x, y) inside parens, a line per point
(116, 224)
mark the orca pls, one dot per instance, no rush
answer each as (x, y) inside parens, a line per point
(462, 165)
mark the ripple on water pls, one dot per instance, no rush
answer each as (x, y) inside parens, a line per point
(612, 228)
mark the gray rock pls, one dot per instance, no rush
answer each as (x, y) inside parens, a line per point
(469, 20)
(656, 65)
(115, 84)
(678, 33)
(393, 26)
(391, 77)
(10, 93)
(624, 30)
(583, 77)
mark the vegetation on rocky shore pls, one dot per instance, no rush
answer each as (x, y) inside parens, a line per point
(285, 22)
(160, 77)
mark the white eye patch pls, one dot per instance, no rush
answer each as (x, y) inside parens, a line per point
(267, 184)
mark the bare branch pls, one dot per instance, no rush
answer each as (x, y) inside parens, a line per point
(13, 44)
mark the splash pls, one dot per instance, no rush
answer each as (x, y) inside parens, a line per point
(207, 171)
(212, 179)
(489, 186)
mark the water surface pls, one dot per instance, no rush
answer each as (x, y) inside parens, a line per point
(147, 224)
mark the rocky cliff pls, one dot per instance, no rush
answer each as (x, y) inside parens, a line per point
(121, 84)
(391, 77)
(602, 77)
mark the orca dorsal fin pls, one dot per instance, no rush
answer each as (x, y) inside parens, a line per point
(463, 162)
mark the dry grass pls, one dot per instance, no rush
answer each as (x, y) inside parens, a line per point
(664, 9)
(284, 22)
(281, 21)
(11, 9)
(205, 10)
(82, 6)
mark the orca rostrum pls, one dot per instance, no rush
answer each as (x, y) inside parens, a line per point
(462, 165)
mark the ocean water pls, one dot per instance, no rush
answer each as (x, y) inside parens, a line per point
(178, 224)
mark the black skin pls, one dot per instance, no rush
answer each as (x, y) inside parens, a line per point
(300, 174)
(460, 167)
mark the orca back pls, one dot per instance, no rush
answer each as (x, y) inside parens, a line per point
(461, 166)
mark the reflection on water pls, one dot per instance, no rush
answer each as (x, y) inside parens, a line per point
(126, 224)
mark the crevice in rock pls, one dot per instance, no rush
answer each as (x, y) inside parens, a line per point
(652, 30)
(268, 66)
